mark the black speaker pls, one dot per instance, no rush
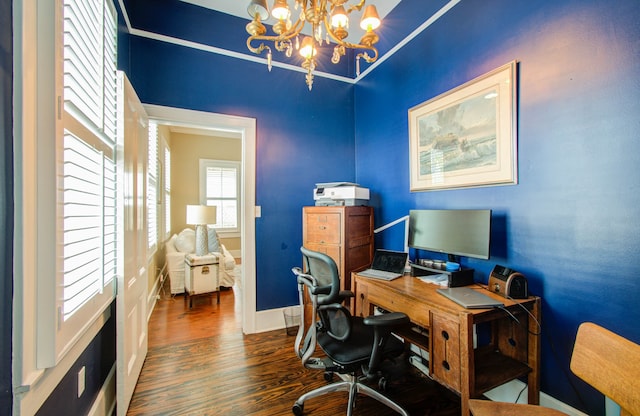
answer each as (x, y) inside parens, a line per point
(508, 283)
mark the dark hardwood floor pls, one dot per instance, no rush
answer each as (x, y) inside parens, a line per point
(200, 363)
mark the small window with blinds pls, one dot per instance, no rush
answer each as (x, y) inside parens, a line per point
(219, 186)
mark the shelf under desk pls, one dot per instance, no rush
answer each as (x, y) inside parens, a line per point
(512, 350)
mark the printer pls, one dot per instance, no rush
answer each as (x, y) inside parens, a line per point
(340, 193)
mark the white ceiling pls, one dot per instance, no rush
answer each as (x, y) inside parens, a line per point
(239, 8)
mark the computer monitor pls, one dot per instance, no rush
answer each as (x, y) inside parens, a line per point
(453, 232)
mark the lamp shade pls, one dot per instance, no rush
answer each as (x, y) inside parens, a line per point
(201, 214)
(339, 17)
(258, 7)
(370, 19)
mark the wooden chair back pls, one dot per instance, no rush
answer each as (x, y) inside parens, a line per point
(610, 363)
(607, 361)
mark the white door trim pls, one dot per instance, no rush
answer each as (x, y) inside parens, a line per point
(247, 128)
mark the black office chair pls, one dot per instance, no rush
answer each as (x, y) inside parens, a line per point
(354, 346)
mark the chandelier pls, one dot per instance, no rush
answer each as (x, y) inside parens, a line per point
(329, 20)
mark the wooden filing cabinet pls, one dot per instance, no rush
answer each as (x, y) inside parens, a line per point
(343, 233)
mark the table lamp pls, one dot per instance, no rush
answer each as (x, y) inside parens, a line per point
(405, 219)
(200, 216)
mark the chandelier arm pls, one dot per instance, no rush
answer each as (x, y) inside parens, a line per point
(358, 6)
(365, 56)
(352, 45)
(291, 33)
(273, 38)
(260, 48)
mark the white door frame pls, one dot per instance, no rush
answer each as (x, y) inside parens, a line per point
(247, 128)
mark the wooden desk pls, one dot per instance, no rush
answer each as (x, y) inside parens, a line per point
(507, 351)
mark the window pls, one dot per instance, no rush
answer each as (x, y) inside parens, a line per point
(167, 190)
(152, 187)
(219, 186)
(80, 285)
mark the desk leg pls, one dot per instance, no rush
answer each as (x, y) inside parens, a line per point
(467, 363)
(533, 380)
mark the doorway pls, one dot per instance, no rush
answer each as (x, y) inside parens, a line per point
(246, 128)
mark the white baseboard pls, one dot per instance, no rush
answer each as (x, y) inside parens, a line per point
(272, 319)
(153, 297)
(508, 392)
(105, 403)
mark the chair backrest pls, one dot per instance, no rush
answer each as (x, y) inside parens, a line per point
(325, 271)
(610, 363)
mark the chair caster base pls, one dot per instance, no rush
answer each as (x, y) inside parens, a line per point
(298, 409)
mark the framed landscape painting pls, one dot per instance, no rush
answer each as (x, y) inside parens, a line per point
(466, 137)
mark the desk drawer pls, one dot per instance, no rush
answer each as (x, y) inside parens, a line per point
(374, 295)
(323, 228)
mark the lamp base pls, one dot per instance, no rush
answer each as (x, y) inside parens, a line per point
(202, 240)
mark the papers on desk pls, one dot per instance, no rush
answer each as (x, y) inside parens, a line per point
(437, 279)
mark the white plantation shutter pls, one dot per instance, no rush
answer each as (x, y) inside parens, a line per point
(152, 187)
(88, 197)
(81, 283)
(220, 187)
(167, 190)
(88, 226)
(89, 63)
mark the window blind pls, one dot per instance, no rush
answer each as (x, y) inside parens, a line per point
(89, 40)
(87, 200)
(88, 225)
(221, 190)
(167, 189)
(152, 186)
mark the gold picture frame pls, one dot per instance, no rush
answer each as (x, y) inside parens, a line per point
(466, 137)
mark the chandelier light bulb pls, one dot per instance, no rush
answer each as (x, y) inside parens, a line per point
(307, 48)
(280, 10)
(339, 17)
(370, 19)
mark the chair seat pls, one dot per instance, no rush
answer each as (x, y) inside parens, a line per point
(360, 344)
(489, 408)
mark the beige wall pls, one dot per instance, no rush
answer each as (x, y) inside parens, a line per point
(186, 150)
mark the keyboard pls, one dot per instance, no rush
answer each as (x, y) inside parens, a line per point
(379, 274)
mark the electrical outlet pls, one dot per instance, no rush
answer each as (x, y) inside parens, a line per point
(81, 380)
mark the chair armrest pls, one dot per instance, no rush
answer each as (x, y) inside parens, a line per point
(387, 319)
(346, 294)
(321, 290)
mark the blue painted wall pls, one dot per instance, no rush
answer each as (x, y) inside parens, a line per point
(568, 225)
(571, 224)
(302, 138)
